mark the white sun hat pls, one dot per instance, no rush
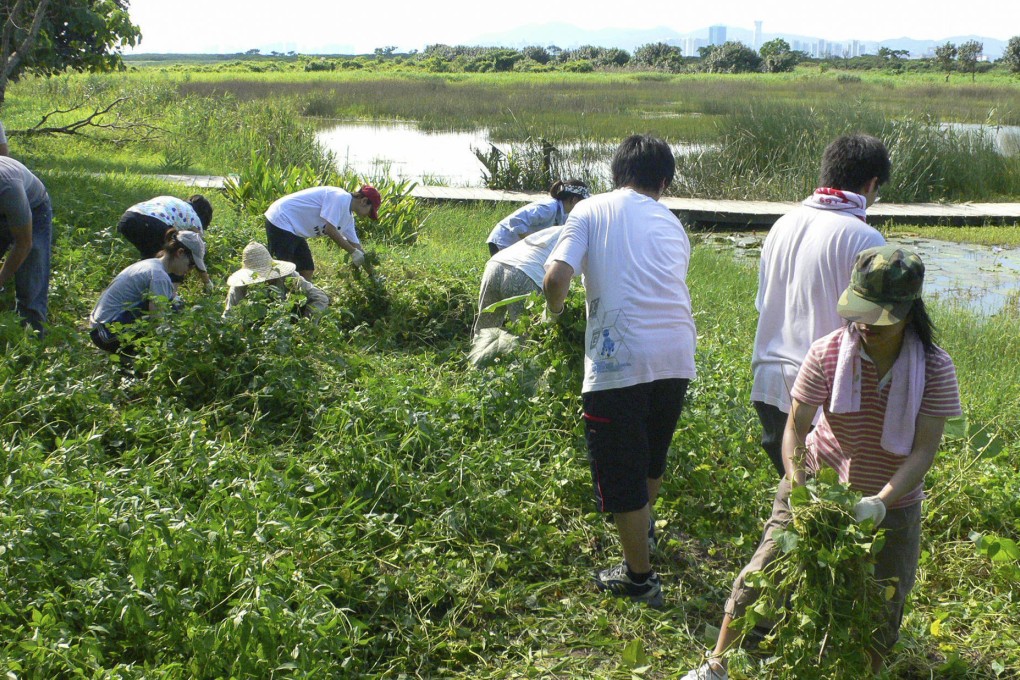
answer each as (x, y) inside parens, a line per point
(259, 266)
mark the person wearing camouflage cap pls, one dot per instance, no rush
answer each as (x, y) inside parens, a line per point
(884, 367)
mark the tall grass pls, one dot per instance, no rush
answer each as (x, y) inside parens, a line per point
(773, 150)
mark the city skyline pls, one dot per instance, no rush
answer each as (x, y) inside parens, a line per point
(315, 26)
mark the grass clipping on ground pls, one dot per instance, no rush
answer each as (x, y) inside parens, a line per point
(820, 590)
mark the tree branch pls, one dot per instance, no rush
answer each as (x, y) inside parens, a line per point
(136, 130)
(13, 59)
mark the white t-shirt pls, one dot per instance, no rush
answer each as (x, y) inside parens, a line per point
(633, 255)
(305, 213)
(530, 254)
(805, 265)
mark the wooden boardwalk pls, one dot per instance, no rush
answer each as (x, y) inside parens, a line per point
(722, 213)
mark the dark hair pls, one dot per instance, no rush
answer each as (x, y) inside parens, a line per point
(203, 208)
(922, 325)
(643, 162)
(850, 161)
(557, 192)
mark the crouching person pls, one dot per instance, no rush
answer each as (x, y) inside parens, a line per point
(259, 267)
(885, 390)
(135, 290)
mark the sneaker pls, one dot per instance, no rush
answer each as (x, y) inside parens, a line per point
(616, 581)
(653, 544)
(707, 672)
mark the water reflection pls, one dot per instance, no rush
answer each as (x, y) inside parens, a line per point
(1006, 138)
(403, 151)
(983, 279)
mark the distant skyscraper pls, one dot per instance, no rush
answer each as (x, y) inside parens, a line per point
(716, 35)
(757, 35)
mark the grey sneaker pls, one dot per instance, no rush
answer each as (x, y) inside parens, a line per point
(616, 581)
(707, 671)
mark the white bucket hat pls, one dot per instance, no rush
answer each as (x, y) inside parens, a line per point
(259, 266)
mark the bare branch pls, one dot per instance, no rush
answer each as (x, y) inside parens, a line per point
(100, 118)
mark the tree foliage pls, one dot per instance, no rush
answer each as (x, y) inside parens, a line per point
(46, 37)
(777, 57)
(1011, 56)
(944, 57)
(659, 55)
(967, 55)
(731, 57)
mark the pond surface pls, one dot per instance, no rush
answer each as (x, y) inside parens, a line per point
(982, 279)
(1005, 137)
(402, 151)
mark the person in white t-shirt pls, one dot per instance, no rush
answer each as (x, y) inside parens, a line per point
(805, 264)
(633, 254)
(318, 211)
(516, 270)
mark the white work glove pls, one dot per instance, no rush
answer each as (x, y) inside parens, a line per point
(209, 287)
(549, 316)
(870, 507)
(358, 258)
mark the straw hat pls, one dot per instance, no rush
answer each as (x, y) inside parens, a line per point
(259, 266)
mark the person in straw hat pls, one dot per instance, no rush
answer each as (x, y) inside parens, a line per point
(260, 267)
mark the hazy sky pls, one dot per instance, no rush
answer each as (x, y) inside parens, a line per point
(339, 26)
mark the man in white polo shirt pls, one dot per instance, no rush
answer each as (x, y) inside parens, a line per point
(805, 265)
(318, 211)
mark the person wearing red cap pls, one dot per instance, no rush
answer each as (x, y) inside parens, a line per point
(318, 211)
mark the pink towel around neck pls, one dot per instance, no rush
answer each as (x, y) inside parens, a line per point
(825, 198)
(906, 388)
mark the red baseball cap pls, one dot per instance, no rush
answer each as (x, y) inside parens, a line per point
(372, 194)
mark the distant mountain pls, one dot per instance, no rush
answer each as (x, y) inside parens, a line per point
(993, 48)
(568, 36)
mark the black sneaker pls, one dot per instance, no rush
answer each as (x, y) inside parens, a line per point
(616, 581)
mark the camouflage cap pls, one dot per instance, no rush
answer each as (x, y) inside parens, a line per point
(883, 286)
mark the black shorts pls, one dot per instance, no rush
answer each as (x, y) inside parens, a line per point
(628, 431)
(146, 233)
(289, 247)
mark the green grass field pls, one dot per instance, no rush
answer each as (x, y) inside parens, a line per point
(350, 498)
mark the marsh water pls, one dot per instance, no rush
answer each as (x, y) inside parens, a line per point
(982, 279)
(402, 150)
(985, 279)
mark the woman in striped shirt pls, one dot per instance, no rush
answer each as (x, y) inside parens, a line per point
(885, 390)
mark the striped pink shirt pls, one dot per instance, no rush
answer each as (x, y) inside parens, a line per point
(850, 443)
